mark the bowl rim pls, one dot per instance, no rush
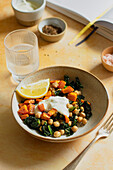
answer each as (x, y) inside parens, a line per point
(55, 18)
(71, 138)
(28, 12)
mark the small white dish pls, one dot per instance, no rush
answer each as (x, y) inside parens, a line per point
(28, 18)
(54, 21)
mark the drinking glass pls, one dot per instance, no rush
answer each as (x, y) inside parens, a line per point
(21, 49)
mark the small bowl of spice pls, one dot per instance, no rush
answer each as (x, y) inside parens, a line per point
(107, 58)
(52, 29)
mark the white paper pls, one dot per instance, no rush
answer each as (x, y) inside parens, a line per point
(89, 9)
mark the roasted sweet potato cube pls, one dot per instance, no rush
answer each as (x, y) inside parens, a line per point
(24, 116)
(29, 101)
(52, 112)
(31, 109)
(72, 96)
(68, 89)
(20, 105)
(45, 116)
(41, 107)
(66, 119)
(61, 84)
(23, 110)
(82, 100)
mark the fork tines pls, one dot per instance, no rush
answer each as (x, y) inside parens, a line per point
(108, 124)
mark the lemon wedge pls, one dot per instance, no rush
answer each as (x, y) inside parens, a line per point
(34, 90)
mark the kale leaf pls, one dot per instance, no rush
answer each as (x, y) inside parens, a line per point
(87, 110)
(78, 84)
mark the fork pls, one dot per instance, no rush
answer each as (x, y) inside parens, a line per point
(103, 132)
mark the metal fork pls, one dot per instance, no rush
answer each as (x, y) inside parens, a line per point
(103, 132)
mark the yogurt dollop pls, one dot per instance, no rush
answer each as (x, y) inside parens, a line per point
(56, 102)
(27, 5)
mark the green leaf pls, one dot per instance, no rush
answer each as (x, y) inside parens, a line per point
(66, 79)
(78, 84)
(34, 125)
(68, 131)
(45, 132)
(50, 130)
(38, 121)
(74, 122)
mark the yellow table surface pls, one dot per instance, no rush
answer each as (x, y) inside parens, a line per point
(18, 150)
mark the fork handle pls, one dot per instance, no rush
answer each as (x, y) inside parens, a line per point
(75, 162)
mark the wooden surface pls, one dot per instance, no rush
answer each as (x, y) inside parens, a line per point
(18, 150)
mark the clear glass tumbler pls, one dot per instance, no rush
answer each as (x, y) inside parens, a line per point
(21, 49)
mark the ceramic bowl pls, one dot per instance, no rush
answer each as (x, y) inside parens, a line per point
(94, 91)
(108, 50)
(28, 18)
(57, 22)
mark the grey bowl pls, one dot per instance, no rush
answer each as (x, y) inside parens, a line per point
(55, 21)
(94, 91)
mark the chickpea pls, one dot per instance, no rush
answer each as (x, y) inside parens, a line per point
(82, 108)
(40, 128)
(84, 121)
(44, 121)
(76, 117)
(50, 121)
(56, 124)
(52, 90)
(57, 134)
(38, 114)
(78, 92)
(69, 105)
(70, 114)
(74, 128)
(62, 131)
(80, 119)
(69, 123)
(76, 111)
(55, 84)
(76, 105)
(82, 114)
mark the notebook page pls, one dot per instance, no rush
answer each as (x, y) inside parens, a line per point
(107, 20)
(89, 9)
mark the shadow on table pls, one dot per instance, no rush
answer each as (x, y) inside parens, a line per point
(9, 24)
(101, 72)
(41, 42)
